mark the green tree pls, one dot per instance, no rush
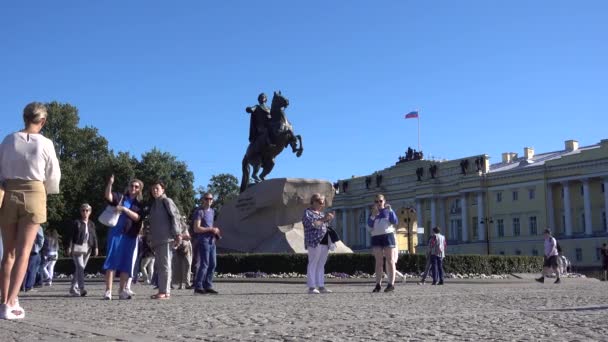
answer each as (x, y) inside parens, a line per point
(179, 181)
(224, 187)
(82, 152)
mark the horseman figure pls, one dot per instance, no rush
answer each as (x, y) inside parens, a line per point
(269, 133)
(259, 124)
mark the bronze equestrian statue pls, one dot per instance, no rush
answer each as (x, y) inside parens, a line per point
(269, 133)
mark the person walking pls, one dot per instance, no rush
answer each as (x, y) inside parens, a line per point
(380, 225)
(437, 246)
(29, 171)
(83, 243)
(550, 262)
(183, 260)
(207, 234)
(316, 243)
(147, 261)
(33, 265)
(165, 232)
(50, 251)
(121, 246)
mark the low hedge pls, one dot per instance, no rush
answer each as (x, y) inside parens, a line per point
(349, 263)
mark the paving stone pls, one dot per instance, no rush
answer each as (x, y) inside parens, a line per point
(502, 310)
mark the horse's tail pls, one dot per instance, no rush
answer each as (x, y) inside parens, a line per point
(246, 171)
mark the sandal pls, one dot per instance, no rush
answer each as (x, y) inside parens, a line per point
(161, 296)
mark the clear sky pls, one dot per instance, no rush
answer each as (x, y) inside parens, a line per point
(486, 76)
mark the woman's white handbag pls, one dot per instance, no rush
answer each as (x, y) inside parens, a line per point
(81, 249)
(84, 248)
(109, 216)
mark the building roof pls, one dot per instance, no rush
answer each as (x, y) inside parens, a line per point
(537, 159)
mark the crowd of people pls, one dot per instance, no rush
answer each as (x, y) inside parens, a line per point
(165, 249)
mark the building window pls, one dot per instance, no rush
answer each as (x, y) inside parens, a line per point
(531, 194)
(533, 227)
(598, 254)
(501, 227)
(516, 227)
(515, 195)
(579, 254)
(564, 223)
(517, 252)
(499, 197)
(562, 192)
(604, 220)
(603, 187)
(582, 190)
(535, 252)
(501, 252)
(583, 222)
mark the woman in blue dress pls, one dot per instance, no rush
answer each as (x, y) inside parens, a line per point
(121, 249)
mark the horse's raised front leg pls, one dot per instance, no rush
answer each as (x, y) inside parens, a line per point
(301, 149)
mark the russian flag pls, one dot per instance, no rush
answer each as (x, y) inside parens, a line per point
(412, 115)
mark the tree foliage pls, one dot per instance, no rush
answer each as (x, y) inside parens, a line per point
(224, 188)
(86, 164)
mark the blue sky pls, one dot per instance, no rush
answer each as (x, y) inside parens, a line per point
(487, 76)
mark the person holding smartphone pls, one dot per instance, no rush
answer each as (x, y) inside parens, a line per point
(380, 225)
(316, 241)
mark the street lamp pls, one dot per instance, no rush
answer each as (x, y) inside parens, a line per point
(409, 222)
(486, 221)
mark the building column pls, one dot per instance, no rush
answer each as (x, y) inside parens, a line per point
(345, 226)
(420, 218)
(442, 213)
(433, 213)
(587, 203)
(368, 237)
(464, 217)
(605, 200)
(481, 225)
(567, 209)
(550, 210)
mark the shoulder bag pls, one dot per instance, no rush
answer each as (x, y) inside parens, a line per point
(109, 216)
(83, 248)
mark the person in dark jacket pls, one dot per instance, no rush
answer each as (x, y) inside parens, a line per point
(83, 243)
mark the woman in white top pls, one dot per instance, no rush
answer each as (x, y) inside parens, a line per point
(29, 170)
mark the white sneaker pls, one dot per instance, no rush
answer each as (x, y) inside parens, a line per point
(124, 295)
(324, 290)
(313, 291)
(14, 312)
(131, 293)
(108, 295)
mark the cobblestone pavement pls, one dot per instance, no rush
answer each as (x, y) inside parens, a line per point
(516, 309)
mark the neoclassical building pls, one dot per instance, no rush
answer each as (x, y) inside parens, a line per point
(484, 208)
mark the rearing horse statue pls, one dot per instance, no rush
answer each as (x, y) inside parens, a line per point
(260, 153)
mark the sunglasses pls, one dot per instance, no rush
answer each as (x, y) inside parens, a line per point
(208, 199)
(379, 201)
(135, 186)
(85, 209)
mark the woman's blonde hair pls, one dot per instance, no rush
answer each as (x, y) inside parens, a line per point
(315, 197)
(33, 113)
(141, 188)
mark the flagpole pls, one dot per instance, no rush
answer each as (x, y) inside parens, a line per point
(418, 130)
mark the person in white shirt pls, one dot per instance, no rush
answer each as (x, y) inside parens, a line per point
(29, 170)
(550, 258)
(380, 225)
